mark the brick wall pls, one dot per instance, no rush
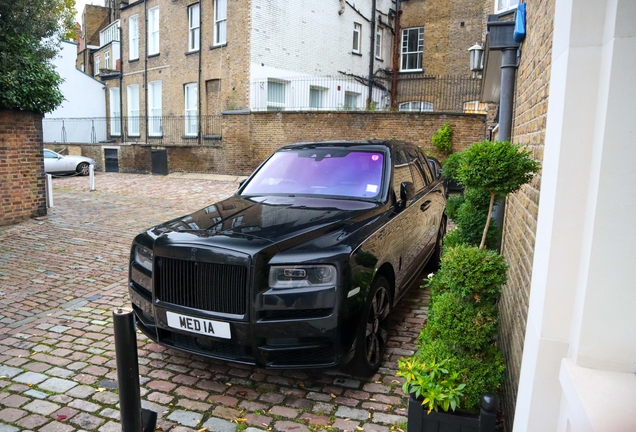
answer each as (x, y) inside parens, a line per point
(249, 138)
(22, 189)
(446, 40)
(529, 120)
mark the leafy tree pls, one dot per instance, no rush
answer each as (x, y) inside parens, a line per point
(30, 32)
(497, 167)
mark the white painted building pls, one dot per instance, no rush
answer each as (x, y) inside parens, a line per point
(84, 98)
(299, 49)
(579, 362)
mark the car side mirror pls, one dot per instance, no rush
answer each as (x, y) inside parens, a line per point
(407, 191)
(60, 156)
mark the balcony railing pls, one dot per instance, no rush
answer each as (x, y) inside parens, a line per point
(415, 92)
(109, 34)
(152, 129)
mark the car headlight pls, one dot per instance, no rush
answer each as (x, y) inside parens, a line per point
(144, 257)
(302, 276)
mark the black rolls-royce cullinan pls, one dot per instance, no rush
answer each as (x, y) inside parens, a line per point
(301, 267)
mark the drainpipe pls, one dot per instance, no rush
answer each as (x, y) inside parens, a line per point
(372, 52)
(396, 56)
(146, 66)
(500, 34)
(121, 83)
(199, 77)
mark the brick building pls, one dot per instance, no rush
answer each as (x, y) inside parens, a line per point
(566, 322)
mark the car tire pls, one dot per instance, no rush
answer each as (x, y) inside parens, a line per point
(83, 169)
(439, 243)
(373, 333)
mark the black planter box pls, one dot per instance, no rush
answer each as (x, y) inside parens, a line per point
(421, 421)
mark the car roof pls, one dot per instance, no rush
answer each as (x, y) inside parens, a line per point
(390, 144)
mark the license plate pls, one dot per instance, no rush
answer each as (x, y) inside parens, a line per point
(199, 325)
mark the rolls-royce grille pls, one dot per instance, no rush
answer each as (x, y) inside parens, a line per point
(201, 285)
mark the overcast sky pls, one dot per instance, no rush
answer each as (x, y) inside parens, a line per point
(79, 7)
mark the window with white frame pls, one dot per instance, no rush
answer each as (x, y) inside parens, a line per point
(106, 59)
(412, 49)
(191, 109)
(505, 5)
(378, 43)
(97, 65)
(194, 21)
(154, 108)
(153, 31)
(275, 95)
(416, 106)
(132, 92)
(357, 38)
(133, 37)
(82, 67)
(316, 97)
(351, 100)
(220, 22)
(115, 111)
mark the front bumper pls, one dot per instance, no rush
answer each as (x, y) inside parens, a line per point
(283, 329)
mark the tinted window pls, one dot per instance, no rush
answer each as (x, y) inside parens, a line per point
(329, 172)
(49, 154)
(418, 170)
(401, 172)
(423, 161)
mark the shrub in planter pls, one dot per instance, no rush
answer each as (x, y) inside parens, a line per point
(472, 273)
(469, 212)
(481, 371)
(469, 325)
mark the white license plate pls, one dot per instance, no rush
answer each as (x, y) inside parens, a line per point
(199, 325)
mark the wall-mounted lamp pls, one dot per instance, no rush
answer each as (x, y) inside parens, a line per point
(476, 58)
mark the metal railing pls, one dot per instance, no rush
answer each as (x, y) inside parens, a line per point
(151, 129)
(415, 92)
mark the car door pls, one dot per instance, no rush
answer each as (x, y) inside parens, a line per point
(52, 163)
(420, 224)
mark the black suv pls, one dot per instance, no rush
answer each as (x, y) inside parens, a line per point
(302, 265)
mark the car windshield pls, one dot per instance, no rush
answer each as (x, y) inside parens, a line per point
(328, 172)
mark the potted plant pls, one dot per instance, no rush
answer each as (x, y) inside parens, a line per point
(458, 361)
(453, 377)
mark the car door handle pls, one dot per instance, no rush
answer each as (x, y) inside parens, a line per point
(425, 205)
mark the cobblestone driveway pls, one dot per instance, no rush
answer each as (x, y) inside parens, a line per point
(62, 275)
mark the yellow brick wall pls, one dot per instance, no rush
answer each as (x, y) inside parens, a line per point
(529, 120)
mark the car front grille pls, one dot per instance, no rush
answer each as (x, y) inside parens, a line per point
(200, 285)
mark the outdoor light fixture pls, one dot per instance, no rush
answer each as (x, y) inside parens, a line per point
(476, 58)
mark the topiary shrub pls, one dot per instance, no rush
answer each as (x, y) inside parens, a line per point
(481, 371)
(470, 272)
(469, 325)
(453, 203)
(442, 140)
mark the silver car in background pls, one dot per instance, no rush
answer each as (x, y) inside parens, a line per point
(55, 163)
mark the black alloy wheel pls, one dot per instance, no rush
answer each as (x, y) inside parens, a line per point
(83, 169)
(439, 243)
(374, 330)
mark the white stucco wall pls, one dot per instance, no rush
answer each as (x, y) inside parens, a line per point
(305, 38)
(85, 99)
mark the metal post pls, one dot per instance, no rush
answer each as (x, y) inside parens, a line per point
(488, 412)
(128, 375)
(91, 177)
(49, 190)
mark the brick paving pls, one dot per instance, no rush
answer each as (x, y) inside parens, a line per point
(62, 275)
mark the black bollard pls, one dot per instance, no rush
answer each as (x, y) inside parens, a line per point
(128, 375)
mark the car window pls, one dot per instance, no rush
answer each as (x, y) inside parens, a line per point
(419, 181)
(49, 154)
(424, 161)
(401, 172)
(320, 171)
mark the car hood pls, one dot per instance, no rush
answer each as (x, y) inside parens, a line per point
(260, 221)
